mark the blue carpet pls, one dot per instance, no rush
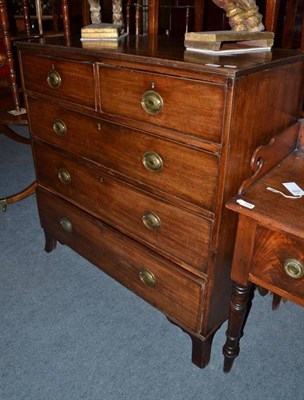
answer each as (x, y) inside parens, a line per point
(68, 331)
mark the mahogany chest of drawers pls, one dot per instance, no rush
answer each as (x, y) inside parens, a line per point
(137, 149)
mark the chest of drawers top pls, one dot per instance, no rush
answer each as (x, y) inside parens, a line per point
(163, 53)
(119, 83)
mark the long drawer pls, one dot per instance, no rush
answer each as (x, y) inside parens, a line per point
(175, 292)
(172, 168)
(181, 104)
(173, 231)
(69, 80)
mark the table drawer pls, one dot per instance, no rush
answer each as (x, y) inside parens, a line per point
(271, 252)
(185, 105)
(175, 292)
(67, 80)
(175, 169)
(176, 233)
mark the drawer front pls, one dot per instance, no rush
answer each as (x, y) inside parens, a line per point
(185, 105)
(175, 292)
(58, 78)
(170, 230)
(175, 169)
(272, 250)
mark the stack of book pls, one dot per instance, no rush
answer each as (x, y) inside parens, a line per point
(228, 42)
(101, 35)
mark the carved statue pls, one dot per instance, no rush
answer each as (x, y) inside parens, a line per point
(243, 15)
(117, 12)
(95, 11)
(96, 14)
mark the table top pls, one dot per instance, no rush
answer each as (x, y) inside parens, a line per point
(165, 51)
(273, 209)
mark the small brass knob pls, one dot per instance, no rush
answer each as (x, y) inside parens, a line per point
(64, 176)
(66, 224)
(152, 161)
(152, 102)
(147, 277)
(151, 220)
(59, 127)
(54, 79)
(294, 268)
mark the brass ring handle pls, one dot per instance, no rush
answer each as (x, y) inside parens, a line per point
(294, 268)
(147, 277)
(152, 161)
(54, 79)
(64, 176)
(152, 102)
(66, 224)
(59, 127)
(151, 220)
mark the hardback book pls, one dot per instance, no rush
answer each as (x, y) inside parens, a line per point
(218, 46)
(223, 36)
(104, 39)
(99, 34)
(101, 30)
(228, 42)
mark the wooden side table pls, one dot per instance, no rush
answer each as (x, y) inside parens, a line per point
(269, 247)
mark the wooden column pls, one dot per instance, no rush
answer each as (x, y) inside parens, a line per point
(198, 15)
(26, 17)
(66, 19)
(271, 15)
(9, 54)
(153, 17)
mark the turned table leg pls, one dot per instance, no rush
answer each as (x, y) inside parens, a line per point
(238, 308)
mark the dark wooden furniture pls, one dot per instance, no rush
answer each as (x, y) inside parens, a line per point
(286, 19)
(11, 108)
(272, 9)
(138, 148)
(269, 247)
(50, 16)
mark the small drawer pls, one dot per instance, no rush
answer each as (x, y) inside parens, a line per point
(169, 167)
(167, 287)
(67, 80)
(188, 106)
(172, 231)
(278, 260)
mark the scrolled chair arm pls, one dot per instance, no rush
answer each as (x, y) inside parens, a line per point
(243, 15)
